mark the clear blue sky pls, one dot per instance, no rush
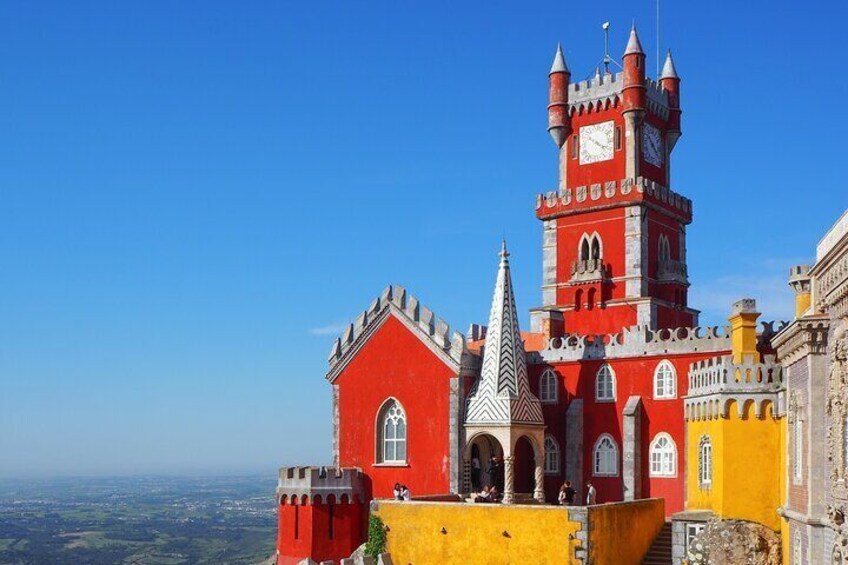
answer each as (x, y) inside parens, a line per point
(197, 195)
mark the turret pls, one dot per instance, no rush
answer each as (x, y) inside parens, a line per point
(559, 122)
(634, 74)
(671, 84)
(801, 283)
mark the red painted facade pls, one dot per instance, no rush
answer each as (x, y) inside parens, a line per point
(318, 529)
(396, 363)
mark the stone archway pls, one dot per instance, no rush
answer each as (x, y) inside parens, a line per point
(486, 447)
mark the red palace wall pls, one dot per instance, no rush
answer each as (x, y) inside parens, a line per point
(319, 530)
(394, 363)
(634, 377)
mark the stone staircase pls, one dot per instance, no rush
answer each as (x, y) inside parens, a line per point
(660, 551)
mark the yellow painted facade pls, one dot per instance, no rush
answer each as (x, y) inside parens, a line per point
(423, 533)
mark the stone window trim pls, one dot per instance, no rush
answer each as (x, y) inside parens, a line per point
(590, 247)
(665, 381)
(605, 457)
(605, 384)
(552, 456)
(549, 387)
(391, 417)
(795, 418)
(664, 447)
(705, 462)
(797, 549)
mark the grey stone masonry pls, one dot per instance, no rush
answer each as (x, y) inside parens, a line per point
(549, 262)
(574, 443)
(321, 481)
(631, 458)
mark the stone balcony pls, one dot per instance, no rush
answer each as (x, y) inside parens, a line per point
(588, 270)
(669, 270)
(714, 382)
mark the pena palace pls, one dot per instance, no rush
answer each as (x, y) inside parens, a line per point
(678, 428)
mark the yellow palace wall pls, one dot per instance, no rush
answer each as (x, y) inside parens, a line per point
(494, 534)
(748, 459)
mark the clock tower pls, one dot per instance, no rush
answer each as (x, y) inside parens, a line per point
(614, 233)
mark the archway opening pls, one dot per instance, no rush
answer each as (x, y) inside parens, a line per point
(485, 454)
(524, 459)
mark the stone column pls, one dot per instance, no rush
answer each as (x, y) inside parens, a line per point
(509, 492)
(631, 459)
(539, 491)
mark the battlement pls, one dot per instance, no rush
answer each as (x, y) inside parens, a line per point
(716, 384)
(410, 310)
(569, 201)
(314, 484)
(635, 341)
(604, 90)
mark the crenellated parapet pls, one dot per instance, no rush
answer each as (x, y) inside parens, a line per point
(312, 485)
(609, 194)
(717, 382)
(633, 342)
(396, 300)
(605, 90)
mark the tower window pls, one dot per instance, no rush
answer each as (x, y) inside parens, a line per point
(705, 462)
(664, 380)
(551, 456)
(605, 384)
(663, 456)
(618, 138)
(548, 387)
(574, 147)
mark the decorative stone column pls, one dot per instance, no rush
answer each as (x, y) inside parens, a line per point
(631, 458)
(539, 491)
(509, 487)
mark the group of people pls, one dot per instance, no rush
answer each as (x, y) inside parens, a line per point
(401, 492)
(567, 494)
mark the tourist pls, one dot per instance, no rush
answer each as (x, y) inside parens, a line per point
(567, 494)
(495, 494)
(397, 493)
(405, 494)
(591, 494)
(483, 496)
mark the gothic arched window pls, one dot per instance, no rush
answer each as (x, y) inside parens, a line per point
(605, 384)
(665, 379)
(705, 462)
(663, 456)
(552, 456)
(548, 386)
(584, 249)
(391, 433)
(605, 457)
(596, 247)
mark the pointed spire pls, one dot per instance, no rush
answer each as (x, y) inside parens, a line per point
(502, 392)
(668, 68)
(559, 65)
(633, 45)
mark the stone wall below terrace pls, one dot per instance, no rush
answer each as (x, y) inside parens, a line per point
(422, 533)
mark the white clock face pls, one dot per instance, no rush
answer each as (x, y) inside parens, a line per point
(652, 145)
(596, 142)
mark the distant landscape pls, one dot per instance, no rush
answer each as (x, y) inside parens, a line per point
(141, 520)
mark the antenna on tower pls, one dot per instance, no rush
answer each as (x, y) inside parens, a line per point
(658, 39)
(607, 58)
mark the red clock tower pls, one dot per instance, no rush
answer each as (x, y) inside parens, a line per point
(614, 235)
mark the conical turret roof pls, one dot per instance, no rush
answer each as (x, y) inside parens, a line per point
(559, 65)
(633, 45)
(668, 70)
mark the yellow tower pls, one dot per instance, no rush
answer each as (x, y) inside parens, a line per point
(734, 442)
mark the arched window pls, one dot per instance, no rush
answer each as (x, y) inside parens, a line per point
(663, 456)
(605, 384)
(578, 299)
(605, 457)
(664, 248)
(590, 298)
(665, 379)
(596, 246)
(552, 456)
(391, 431)
(705, 462)
(584, 249)
(548, 386)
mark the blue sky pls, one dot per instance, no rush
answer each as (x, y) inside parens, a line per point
(198, 195)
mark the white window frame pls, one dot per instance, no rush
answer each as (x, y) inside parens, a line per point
(549, 387)
(601, 392)
(665, 380)
(705, 462)
(601, 468)
(663, 460)
(552, 456)
(392, 409)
